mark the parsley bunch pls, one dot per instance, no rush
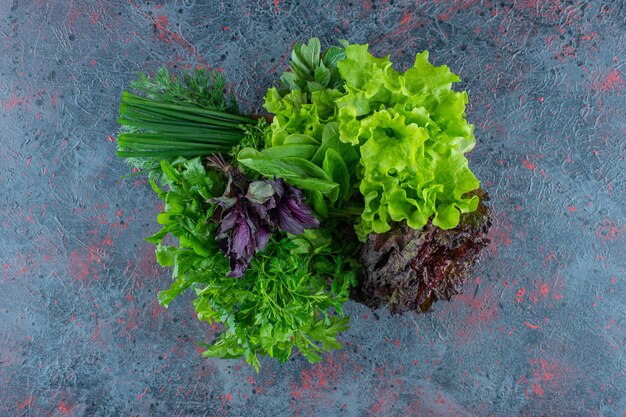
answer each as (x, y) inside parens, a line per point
(282, 301)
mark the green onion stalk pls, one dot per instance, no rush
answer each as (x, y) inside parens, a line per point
(162, 127)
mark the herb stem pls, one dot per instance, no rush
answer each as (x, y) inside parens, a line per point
(130, 98)
(346, 211)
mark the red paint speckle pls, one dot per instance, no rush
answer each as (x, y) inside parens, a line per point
(500, 233)
(537, 389)
(27, 403)
(140, 396)
(519, 297)
(148, 265)
(482, 310)
(82, 265)
(591, 36)
(457, 6)
(545, 371)
(64, 408)
(79, 266)
(532, 326)
(95, 336)
(161, 23)
(314, 382)
(528, 164)
(610, 83)
(609, 231)
(13, 102)
(156, 309)
(406, 18)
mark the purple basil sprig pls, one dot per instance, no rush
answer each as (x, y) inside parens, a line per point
(250, 210)
(293, 215)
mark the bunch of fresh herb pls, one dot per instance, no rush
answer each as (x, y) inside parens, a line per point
(249, 211)
(167, 117)
(281, 302)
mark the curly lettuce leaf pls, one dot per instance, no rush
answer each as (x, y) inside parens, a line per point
(400, 136)
(411, 132)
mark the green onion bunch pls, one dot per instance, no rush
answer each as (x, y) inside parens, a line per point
(168, 117)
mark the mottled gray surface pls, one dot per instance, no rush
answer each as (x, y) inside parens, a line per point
(540, 332)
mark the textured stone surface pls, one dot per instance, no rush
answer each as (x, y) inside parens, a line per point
(540, 331)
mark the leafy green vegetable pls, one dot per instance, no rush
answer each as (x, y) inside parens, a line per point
(367, 148)
(282, 302)
(336, 168)
(309, 70)
(412, 134)
(398, 138)
(201, 88)
(254, 137)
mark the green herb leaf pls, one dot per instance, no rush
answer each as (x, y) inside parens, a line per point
(337, 170)
(298, 172)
